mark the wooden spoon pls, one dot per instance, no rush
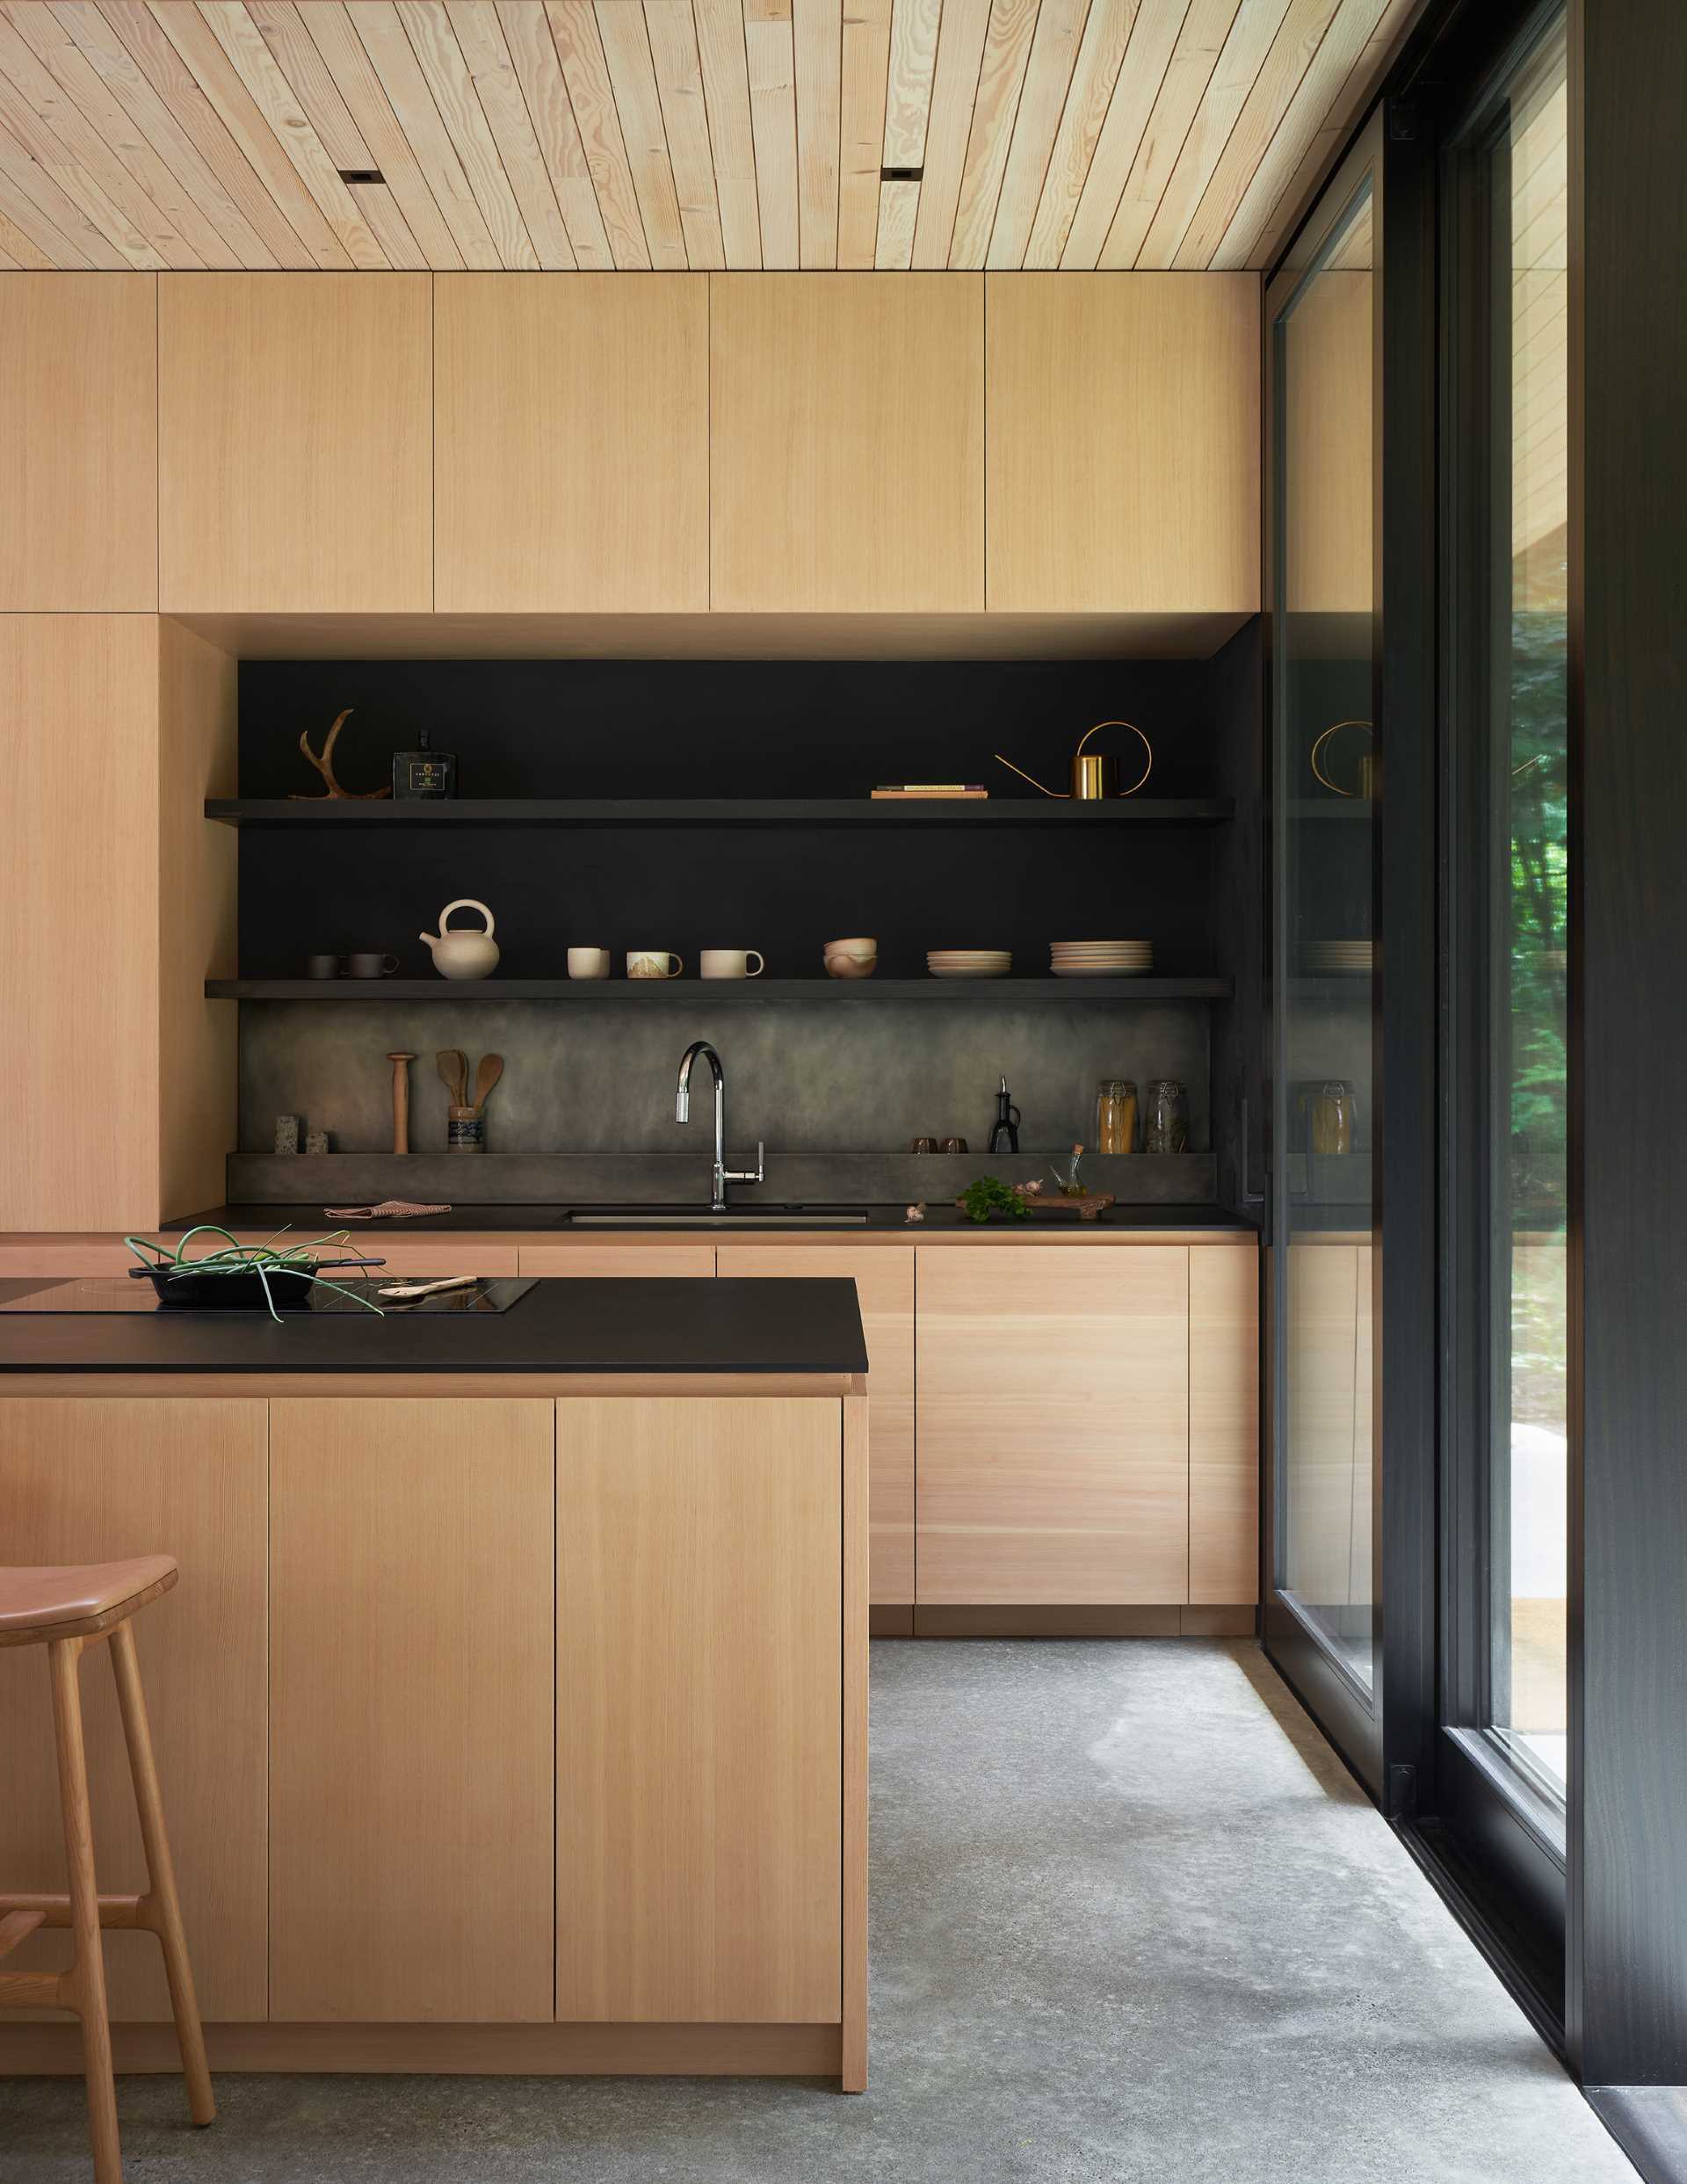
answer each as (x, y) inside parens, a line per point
(427, 1289)
(453, 1064)
(487, 1075)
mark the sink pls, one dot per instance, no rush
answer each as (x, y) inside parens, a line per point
(699, 1217)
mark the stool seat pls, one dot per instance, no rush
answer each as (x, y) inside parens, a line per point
(38, 1605)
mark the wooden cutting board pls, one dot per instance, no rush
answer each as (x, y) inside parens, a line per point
(1089, 1207)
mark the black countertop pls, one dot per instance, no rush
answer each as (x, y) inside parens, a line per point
(565, 1326)
(310, 1221)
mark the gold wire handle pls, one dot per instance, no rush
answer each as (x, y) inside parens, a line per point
(1136, 731)
(1334, 728)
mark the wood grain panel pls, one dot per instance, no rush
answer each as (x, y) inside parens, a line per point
(411, 1775)
(580, 52)
(700, 1709)
(861, 129)
(1053, 1409)
(374, 31)
(427, 25)
(724, 63)
(515, 141)
(1123, 431)
(1321, 1370)
(1131, 113)
(626, 54)
(1001, 79)
(79, 832)
(1042, 100)
(91, 1479)
(679, 68)
(533, 51)
(817, 35)
(1223, 1428)
(295, 443)
(838, 477)
(884, 1286)
(1109, 29)
(585, 486)
(769, 48)
(78, 442)
(1329, 431)
(621, 1261)
(954, 84)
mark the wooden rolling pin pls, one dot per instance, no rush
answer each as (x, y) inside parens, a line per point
(401, 1100)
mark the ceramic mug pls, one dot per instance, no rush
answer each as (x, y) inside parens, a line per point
(732, 963)
(588, 962)
(369, 963)
(653, 963)
(323, 966)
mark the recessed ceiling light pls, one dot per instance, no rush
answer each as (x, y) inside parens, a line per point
(902, 174)
(361, 174)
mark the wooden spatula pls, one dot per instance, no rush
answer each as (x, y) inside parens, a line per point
(427, 1289)
(453, 1064)
(487, 1075)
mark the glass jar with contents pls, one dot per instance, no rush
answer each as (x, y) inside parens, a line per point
(1166, 1126)
(1116, 1115)
(1330, 1118)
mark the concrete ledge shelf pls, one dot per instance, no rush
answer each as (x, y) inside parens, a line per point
(688, 990)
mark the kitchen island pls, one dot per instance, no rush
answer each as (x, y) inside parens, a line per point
(511, 1710)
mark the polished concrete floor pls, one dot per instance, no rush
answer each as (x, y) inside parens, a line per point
(1131, 1921)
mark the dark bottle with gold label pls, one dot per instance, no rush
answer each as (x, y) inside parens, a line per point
(423, 773)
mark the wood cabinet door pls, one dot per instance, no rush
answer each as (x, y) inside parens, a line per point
(295, 449)
(1053, 1407)
(1122, 425)
(1223, 1425)
(79, 442)
(700, 1709)
(884, 1287)
(100, 1479)
(846, 442)
(617, 1262)
(410, 1692)
(572, 443)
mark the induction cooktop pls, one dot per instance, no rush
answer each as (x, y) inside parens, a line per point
(118, 1294)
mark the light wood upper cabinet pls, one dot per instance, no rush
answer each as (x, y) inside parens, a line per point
(78, 442)
(847, 442)
(295, 443)
(1123, 438)
(572, 443)
(884, 1289)
(101, 1479)
(1053, 1401)
(412, 1612)
(699, 1709)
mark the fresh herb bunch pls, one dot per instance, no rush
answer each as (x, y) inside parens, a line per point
(990, 1195)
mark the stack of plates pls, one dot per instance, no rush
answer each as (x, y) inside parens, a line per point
(1346, 958)
(1100, 959)
(969, 962)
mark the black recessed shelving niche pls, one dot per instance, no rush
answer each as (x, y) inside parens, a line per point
(646, 991)
(537, 811)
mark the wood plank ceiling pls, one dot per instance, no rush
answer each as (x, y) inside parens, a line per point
(668, 134)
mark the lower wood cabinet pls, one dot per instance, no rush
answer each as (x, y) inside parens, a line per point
(884, 1287)
(411, 1776)
(98, 1478)
(617, 1262)
(1223, 1427)
(699, 1709)
(1053, 1419)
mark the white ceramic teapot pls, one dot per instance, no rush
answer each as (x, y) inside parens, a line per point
(463, 954)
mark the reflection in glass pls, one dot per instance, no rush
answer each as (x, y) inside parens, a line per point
(1326, 781)
(1527, 1679)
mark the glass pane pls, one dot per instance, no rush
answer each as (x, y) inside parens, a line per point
(1324, 800)
(1531, 872)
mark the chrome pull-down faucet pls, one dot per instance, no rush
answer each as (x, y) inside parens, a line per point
(723, 1175)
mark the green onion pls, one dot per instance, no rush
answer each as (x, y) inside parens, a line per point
(262, 1260)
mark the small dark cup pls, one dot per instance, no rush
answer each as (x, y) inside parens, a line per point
(923, 1145)
(954, 1145)
(367, 963)
(322, 966)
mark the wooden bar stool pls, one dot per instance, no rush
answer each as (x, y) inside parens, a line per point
(67, 1610)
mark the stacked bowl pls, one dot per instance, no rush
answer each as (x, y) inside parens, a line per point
(1100, 959)
(969, 962)
(852, 959)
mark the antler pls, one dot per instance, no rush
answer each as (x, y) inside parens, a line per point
(324, 765)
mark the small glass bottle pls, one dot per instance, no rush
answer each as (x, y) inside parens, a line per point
(423, 775)
(1116, 1115)
(1166, 1129)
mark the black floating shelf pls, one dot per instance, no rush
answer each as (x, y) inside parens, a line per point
(1348, 808)
(697, 992)
(721, 811)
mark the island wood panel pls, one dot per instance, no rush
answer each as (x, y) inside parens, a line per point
(296, 446)
(1223, 1428)
(1122, 426)
(842, 478)
(1052, 1409)
(78, 442)
(700, 1709)
(884, 1289)
(100, 1478)
(572, 424)
(411, 1776)
(79, 976)
(619, 1261)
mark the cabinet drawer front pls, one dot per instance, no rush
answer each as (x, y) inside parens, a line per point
(1053, 1424)
(700, 1709)
(411, 1735)
(884, 1287)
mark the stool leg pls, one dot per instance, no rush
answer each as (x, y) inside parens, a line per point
(64, 1656)
(160, 1871)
